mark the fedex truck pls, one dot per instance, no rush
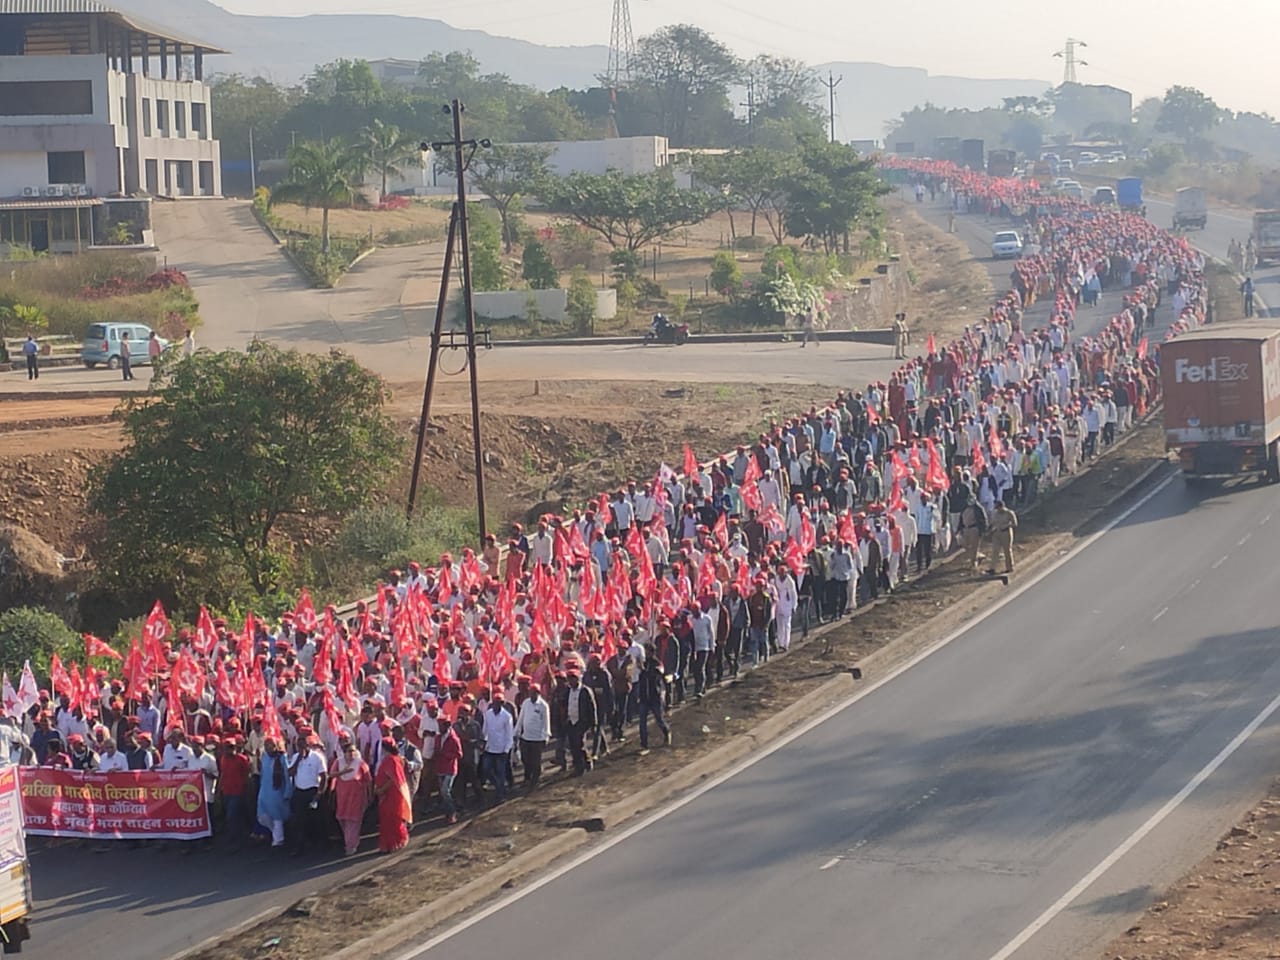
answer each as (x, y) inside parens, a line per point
(1221, 387)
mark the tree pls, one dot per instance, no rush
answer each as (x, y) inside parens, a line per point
(627, 210)
(1187, 113)
(726, 276)
(684, 67)
(580, 301)
(537, 268)
(488, 272)
(834, 192)
(321, 174)
(231, 448)
(785, 105)
(746, 178)
(505, 173)
(35, 634)
(347, 81)
(385, 150)
(1031, 105)
(241, 104)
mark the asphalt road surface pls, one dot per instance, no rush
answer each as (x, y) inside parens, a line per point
(951, 809)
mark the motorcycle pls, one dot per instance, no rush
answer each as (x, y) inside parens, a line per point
(673, 333)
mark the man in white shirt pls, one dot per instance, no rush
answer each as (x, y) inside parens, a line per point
(533, 730)
(499, 737)
(308, 773)
(111, 760)
(177, 755)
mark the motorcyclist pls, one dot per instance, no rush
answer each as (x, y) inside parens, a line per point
(660, 326)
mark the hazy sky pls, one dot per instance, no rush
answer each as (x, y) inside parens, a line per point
(1141, 45)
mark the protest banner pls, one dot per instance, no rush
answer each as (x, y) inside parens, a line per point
(130, 805)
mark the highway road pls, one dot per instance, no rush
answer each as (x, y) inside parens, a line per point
(166, 901)
(956, 810)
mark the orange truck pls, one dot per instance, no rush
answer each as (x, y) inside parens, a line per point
(1221, 388)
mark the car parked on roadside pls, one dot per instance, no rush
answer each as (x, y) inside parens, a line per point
(102, 344)
(1006, 243)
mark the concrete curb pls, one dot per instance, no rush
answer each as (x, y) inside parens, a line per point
(389, 938)
(883, 337)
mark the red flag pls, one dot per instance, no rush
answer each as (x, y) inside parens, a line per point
(720, 529)
(304, 615)
(58, 678)
(936, 476)
(690, 462)
(155, 640)
(772, 520)
(979, 461)
(913, 458)
(346, 689)
(135, 674)
(206, 636)
(808, 539)
(794, 556)
(997, 445)
(1142, 349)
(444, 588)
(397, 683)
(872, 416)
(646, 581)
(187, 675)
(848, 533)
(635, 543)
(441, 668)
(322, 667)
(929, 347)
(577, 546)
(77, 687)
(743, 578)
(331, 713)
(94, 647)
(752, 473)
(224, 690)
(751, 496)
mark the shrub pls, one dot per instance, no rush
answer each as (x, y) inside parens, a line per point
(726, 275)
(626, 264)
(581, 304)
(488, 271)
(325, 269)
(35, 634)
(537, 268)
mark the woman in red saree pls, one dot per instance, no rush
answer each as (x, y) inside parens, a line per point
(351, 789)
(395, 810)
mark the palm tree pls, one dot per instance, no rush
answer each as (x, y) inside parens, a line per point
(386, 148)
(321, 174)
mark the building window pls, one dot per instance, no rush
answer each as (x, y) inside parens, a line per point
(179, 118)
(46, 98)
(198, 124)
(162, 118)
(66, 166)
(124, 111)
(146, 116)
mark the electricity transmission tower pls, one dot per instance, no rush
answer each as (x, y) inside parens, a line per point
(1070, 60)
(622, 50)
(622, 46)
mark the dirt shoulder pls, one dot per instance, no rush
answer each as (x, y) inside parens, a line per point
(437, 865)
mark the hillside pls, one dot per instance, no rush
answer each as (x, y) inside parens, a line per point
(285, 49)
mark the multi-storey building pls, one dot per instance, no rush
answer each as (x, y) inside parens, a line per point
(96, 105)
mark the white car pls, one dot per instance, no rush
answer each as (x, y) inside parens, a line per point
(1006, 243)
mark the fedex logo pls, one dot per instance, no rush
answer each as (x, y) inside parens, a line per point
(1217, 370)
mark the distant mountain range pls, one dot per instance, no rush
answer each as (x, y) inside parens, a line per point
(284, 49)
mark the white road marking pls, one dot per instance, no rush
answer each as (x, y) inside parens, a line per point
(1243, 540)
(1163, 611)
(1194, 583)
(1137, 836)
(1263, 521)
(1220, 561)
(830, 863)
(590, 854)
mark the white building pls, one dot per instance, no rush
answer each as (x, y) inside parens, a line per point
(96, 103)
(629, 155)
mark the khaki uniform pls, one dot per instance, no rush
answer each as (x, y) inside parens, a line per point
(1003, 523)
(969, 535)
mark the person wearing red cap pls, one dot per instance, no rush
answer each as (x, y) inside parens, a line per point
(307, 771)
(395, 807)
(352, 786)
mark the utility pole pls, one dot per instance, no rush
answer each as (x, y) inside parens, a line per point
(433, 360)
(253, 173)
(751, 111)
(463, 151)
(831, 83)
